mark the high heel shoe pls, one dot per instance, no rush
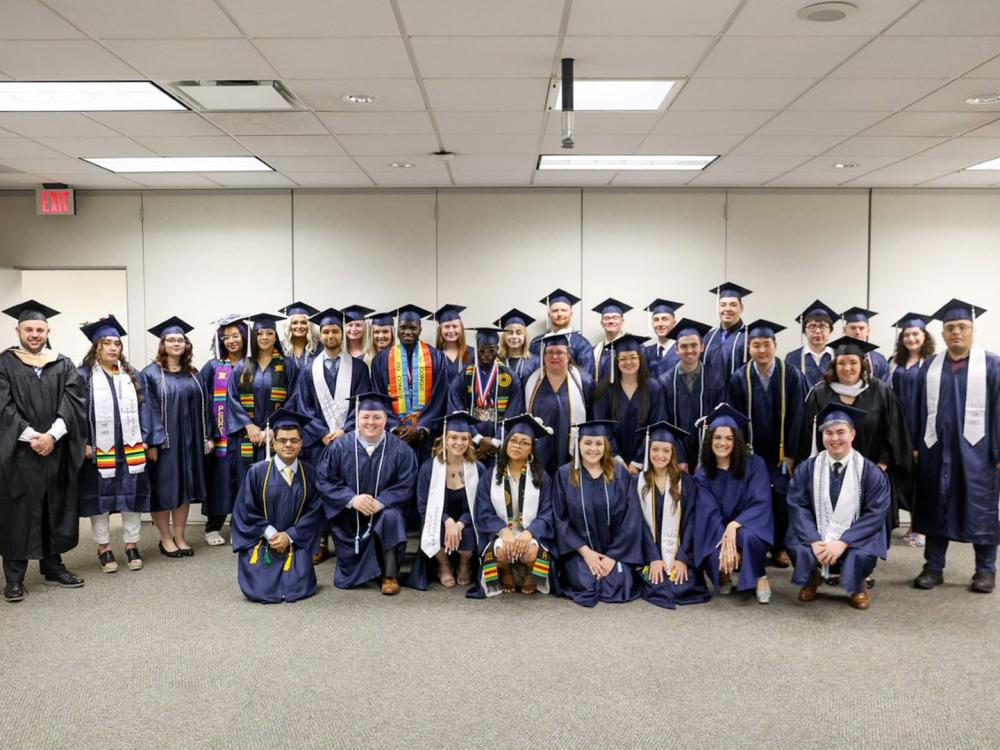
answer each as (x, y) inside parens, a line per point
(166, 553)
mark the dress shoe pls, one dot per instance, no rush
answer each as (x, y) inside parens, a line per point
(64, 578)
(14, 592)
(134, 558)
(808, 592)
(983, 582)
(107, 561)
(928, 579)
(185, 551)
(322, 555)
(781, 559)
(861, 600)
(390, 586)
(168, 553)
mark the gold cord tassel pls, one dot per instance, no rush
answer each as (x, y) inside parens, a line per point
(253, 557)
(288, 562)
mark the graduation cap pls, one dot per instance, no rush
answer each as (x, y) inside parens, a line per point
(299, 308)
(851, 345)
(763, 329)
(230, 319)
(659, 306)
(839, 413)
(730, 289)
(447, 313)
(526, 424)
(689, 327)
(913, 320)
(353, 313)
(611, 306)
(818, 310)
(286, 418)
(383, 318)
(411, 313)
(660, 432)
(457, 421)
(627, 342)
(725, 415)
(31, 310)
(559, 295)
(373, 401)
(956, 309)
(108, 326)
(555, 339)
(331, 316)
(173, 324)
(857, 315)
(487, 336)
(591, 428)
(514, 316)
(265, 321)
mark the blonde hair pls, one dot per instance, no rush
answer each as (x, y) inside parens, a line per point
(504, 350)
(440, 449)
(312, 337)
(463, 348)
(607, 465)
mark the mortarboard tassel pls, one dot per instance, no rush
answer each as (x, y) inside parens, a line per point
(288, 561)
(645, 460)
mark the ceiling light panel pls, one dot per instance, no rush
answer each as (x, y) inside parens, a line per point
(615, 96)
(623, 162)
(181, 164)
(84, 96)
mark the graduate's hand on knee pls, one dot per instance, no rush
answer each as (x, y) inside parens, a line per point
(679, 572)
(452, 535)
(657, 571)
(592, 559)
(819, 549)
(530, 554)
(280, 541)
(88, 452)
(835, 550)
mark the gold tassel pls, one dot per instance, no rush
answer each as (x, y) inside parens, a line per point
(288, 562)
(253, 557)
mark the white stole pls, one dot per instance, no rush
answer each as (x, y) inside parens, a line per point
(832, 523)
(430, 537)
(334, 406)
(104, 416)
(975, 397)
(529, 511)
(670, 528)
(574, 389)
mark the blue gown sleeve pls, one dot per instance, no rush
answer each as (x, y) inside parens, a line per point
(380, 372)
(867, 533)
(458, 394)
(568, 540)
(145, 413)
(708, 518)
(248, 517)
(543, 527)
(758, 514)
(583, 353)
(795, 404)
(156, 434)
(515, 405)
(801, 513)
(291, 378)
(424, 486)
(438, 402)
(236, 415)
(488, 523)
(332, 476)
(398, 493)
(306, 530)
(627, 543)
(685, 550)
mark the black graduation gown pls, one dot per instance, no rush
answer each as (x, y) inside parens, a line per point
(38, 511)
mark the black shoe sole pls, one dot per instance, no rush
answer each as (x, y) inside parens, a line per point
(927, 586)
(14, 599)
(78, 585)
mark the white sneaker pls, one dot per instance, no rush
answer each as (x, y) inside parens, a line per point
(214, 539)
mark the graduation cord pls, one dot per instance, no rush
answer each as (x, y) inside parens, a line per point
(583, 508)
(357, 490)
(701, 408)
(267, 550)
(781, 439)
(163, 409)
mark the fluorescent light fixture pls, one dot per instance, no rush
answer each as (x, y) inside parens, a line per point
(120, 165)
(625, 162)
(991, 164)
(237, 96)
(615, 96)
(84, 96)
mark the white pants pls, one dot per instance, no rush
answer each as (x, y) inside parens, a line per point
(131, 524)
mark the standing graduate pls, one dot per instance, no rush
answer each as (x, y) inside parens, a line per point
(666, 496)
(446, 499)
(383, 334)
(612, 314)
(726, 346)
(277, 519)
(43, 430)
(367, 481)
(180, 437)
(113, 478)
(812, 359)
(261, 384)
(356, 330)
(734, 523)
(514, 351)
(559, 304)
(857, 326)
(662, 354)
(414, 375)
(488, 390)
(599, 528)
(773, 395)
(959, 451)
(513, 516)
(837, 507)
(300, 339)
(229, 348)
(691, 389)
(630, 397)
(559, 394)
(451, 341)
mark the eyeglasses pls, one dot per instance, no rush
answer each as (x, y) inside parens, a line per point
(556, 355)
(232, 337)
(518, 443)
(288, 441)
(817, 326)
(174, 340)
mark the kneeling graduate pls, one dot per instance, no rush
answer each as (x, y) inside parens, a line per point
(837, 507)
(277, 519)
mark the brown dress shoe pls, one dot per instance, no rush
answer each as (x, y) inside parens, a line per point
(322, 555)
(781, 560)
(390, 586)
(861, 600)
(808, 592)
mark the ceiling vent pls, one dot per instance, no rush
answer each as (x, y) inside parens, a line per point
(237, 96)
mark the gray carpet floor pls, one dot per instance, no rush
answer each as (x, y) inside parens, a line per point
(173, 656)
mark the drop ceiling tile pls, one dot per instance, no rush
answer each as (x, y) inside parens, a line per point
(312, 18)
(778, 57)
(173, 180)
(33, 124)
(778, 18)
(156, 123)
(807, 180)
(391, 94)
(786, 145)
(739, 93)
(303, 164)
(919, 57)
(481, 17)
(422, 163)
(16, 181)
(466, 164)
(374, 123)
(370, 57)
(491, 122)
(493, 179)
(606, 123)
(732, 179)
(635, 56)
(978, 178)
(28, 19)
(22, 148)
(292, 145)
(883, 146)
(987, 131)
(374, 145)
(650, 17)
(631, 178)
(330, 179)
(64, 166)
(823, 165)
(865, 95)
(210, 145)
(945, 18)
(407, 179)
(490, 144)
(979, 148)
(887, 178)
(475, 95)
(573, 178)
(764, 164)
(930, 123)
(594, 144)
(989, 69)
(484, 56)
(249, 179)
(688, 144)
(100, 182)
(147, 19)
(722, 122)
(194, 59)
(792, 122)
(61, 61)
(951, 97)
(935, 162)
(119, 146)
(268, 123)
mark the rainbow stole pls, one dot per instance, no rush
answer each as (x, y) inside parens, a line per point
(401, 388)
(279, 393)
(135, 455)
(220, 388)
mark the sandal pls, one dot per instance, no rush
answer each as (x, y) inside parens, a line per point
(445, 576)
(134, 558)
(507, 584)
(528, 585)
(464, 574)
(107, 561)
(913, 539)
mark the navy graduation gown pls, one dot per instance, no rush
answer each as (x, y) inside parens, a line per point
(306, 403)
(553, 408)
(684, 406)
(237, 418)
(178, 475)
(661, 358)
(221, 469)
(296, 510)
(726, 350)
(865, 538)
(583, 352)
(726, 498)
(812, 373)
(958, 483)
(124, 491)
(603, 516)
(879, 366)
(522, 367)
(389, 475)
(436, 405)
(629, 417)
(906, 385)
(509, 390)
(668, 593)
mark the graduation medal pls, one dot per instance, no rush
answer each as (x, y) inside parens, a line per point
(485, 411)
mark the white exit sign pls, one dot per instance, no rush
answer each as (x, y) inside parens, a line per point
(55, 202)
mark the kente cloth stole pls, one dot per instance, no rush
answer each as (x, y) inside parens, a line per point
(279, 394)
(103, 437)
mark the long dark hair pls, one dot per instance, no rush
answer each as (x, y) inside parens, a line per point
(91, 359)
(902, 355)
(221, 345)
(606, 385)
(246, 377)
(831, 370)
(186, 366)
(737, 460)
(534, 465)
